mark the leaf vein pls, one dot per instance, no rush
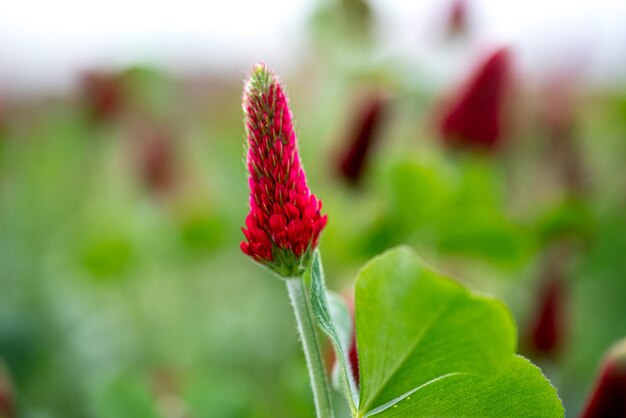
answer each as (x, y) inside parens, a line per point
(418, 339)
(405, 395)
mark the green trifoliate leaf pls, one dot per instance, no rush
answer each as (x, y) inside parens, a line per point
(334, 319)
(342, 321)
(341, 317)
(428, 347)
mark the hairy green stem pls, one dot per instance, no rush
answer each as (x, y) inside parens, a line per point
(312, 347)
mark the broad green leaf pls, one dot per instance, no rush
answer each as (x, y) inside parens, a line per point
(335, 323)
(428, 347)
(342, 321)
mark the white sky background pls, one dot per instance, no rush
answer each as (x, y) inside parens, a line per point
(43, 44)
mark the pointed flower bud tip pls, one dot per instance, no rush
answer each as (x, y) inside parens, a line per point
(284, 223)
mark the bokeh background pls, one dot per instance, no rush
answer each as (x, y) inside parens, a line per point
(123, 293)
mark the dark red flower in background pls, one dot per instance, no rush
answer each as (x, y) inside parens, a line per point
(546, 333)
(474, 118)
(284, 223)
(608, 397)
(361, 139)
(547, 330)
(155, 160)
(103, 93)
(457, 17)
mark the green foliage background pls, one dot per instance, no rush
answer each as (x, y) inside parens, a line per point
(117, 301)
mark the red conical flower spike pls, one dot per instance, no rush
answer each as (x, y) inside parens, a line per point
(474, 118)
(284, 223)
(608, 398)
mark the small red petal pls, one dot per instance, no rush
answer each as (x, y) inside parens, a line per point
(245, 248)
(295, 230)
(291, 211)
(277, 223)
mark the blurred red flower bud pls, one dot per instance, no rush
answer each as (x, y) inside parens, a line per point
(364, 133)
(103, 94)
(156, 160)
(474, 118)
(284, 223)
(457, 17)
(608, 397)
(547, 329)
(546, 335)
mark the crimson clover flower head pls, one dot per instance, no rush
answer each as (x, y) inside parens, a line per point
(283, 227)
(474, 119)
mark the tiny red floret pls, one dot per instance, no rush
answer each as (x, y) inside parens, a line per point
(284, 223)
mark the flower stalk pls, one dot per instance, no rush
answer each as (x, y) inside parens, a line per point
(311, 345)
